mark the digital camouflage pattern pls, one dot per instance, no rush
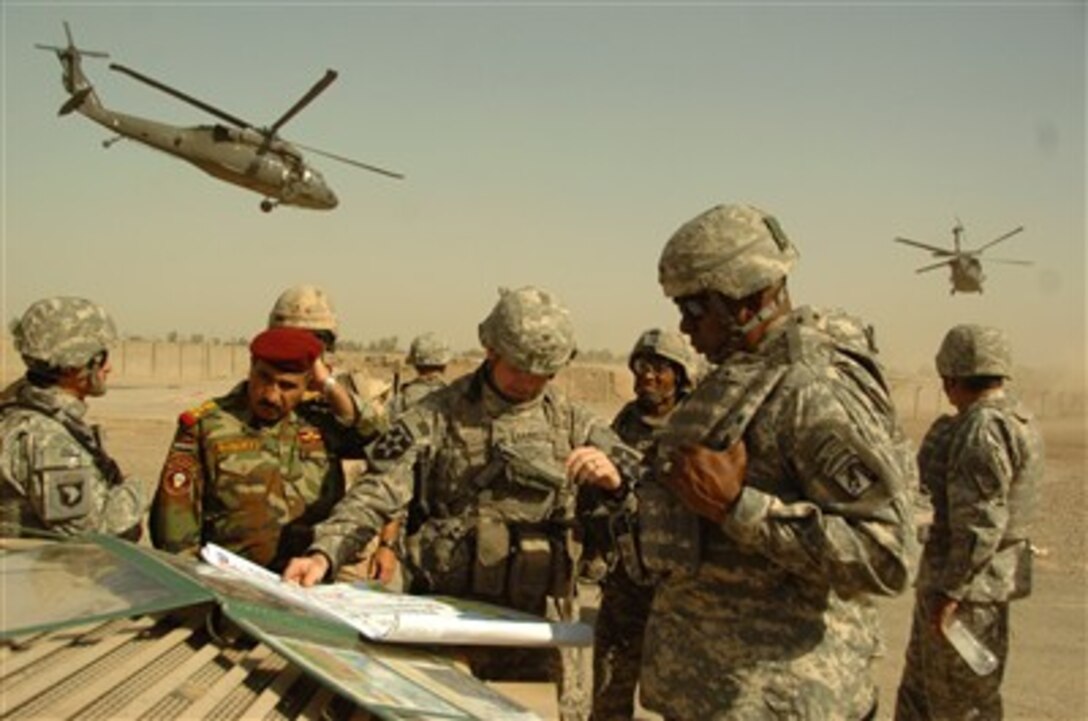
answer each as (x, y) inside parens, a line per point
(49, 480)
(253, 488)
(63, 332)
(429, 350)
(414, 391)
(974, 350)
(530, 329)
(480, 475)
(980, 470)
(625, 603)
(735, 250)
(304, 306)
(772, 617)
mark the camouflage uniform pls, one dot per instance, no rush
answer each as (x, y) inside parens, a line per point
(492, 512)
(768, 615)
(980, 468)
(54, 473)
(252, 488)
(625, 601)
(426, 351)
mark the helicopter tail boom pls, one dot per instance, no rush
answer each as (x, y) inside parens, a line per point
(82, 95)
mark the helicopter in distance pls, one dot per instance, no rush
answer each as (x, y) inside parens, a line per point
(240, 153)
(965, 265)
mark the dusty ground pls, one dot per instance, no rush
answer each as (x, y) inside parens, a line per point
(1046, 678)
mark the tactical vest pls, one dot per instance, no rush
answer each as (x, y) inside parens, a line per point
(495, 518)
(668, 537)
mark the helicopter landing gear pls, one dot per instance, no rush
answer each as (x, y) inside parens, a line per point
(267, 205)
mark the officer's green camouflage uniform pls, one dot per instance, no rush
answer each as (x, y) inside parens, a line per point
(625, 603)
(980, 468)
(483, 475)
(49, 479)
(253, 488)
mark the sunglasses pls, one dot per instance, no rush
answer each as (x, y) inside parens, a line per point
(645, 366)
(692, 307)
(99, 359)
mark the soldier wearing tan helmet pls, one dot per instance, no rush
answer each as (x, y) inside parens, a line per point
(778, 500)
(310, 308)
(489, 467)
(979, 468)
(55, 474)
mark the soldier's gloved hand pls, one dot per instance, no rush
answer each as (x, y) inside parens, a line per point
(708, 481)
(307, 570)
(587, 464)
(383, 564)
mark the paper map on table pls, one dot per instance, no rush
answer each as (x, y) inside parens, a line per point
(401, 618)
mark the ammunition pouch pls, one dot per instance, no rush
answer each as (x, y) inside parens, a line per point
(441, 556)
(624, 528)
(493, 552)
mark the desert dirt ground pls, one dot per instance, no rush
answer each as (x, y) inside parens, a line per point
(1047, 676)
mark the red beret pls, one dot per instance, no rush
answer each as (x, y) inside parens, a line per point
(288, 349)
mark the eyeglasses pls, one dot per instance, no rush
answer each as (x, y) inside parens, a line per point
(650, 365)
(692, 307)
(327, 338)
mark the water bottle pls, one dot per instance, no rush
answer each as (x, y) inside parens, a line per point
(981, 659)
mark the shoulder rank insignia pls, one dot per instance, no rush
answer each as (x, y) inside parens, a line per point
(190, 417)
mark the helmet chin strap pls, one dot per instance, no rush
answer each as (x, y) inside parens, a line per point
(765, 313)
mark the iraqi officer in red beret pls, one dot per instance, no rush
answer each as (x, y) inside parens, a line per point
(253, 470)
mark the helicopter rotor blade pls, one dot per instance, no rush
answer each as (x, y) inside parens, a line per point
(317, 89)
(349, 161)
(931, 248)
(1008, 261)
(934, 266)
(1000, 238)
(222, 115)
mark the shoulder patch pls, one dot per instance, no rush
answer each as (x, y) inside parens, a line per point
(178, 474)
(190, 417)
(838, 454)
(394, 443)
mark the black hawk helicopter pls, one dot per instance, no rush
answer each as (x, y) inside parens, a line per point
(239, 153)
(966, 265)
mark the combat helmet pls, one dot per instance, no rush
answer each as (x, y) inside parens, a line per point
(530, 329)
(63, 332)
(672, 346)
(429, 350)
(974, 350)
(735, 250)
(304, 306)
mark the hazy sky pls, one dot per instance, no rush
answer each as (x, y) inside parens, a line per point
(559, 144)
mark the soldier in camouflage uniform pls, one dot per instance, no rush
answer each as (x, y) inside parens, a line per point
(310, 308)
(254, 470)
(489, 466)
(779, 498)
(979, 467)
(665, 369)
(54, 473)
(429, 355)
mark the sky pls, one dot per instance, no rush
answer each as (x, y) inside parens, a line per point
(559, 144)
